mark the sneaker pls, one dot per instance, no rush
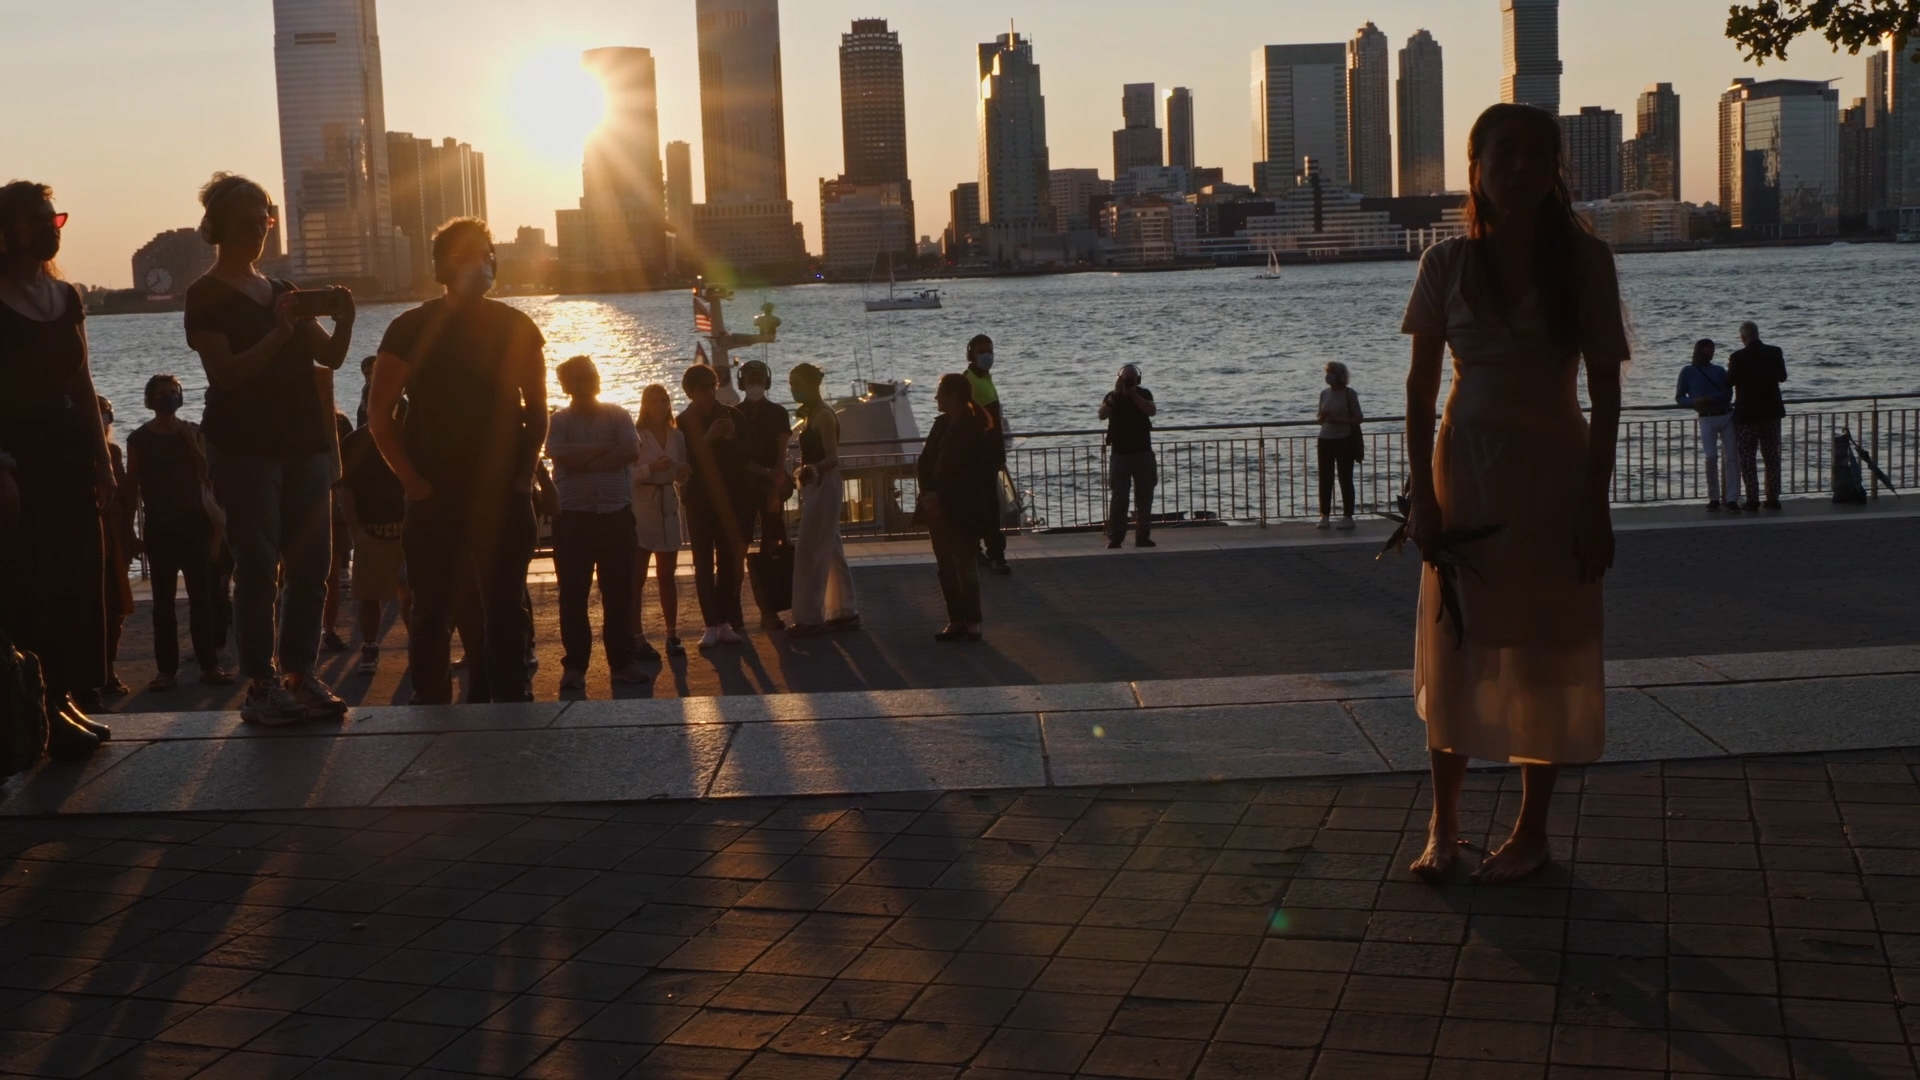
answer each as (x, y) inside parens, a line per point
(1000, 567)
(632, 675)
(729, 636)
(369, 659)
(711, 639)
(270, 704)
(1346, 524)
(646, 653)
(844, 622)
(572, 680)
(675, 647)
(115, 687)
(1325, 522)
(162, 683)
(215, 675)
(330, 642)
(1772, 504)
(1113, 545)
(319, 700)
(1713, 506)
(1144, 542)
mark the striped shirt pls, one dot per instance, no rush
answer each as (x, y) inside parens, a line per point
(593, 491)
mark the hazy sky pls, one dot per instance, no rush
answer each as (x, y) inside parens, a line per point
(126, 106)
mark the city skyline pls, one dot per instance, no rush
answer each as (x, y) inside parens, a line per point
(224, 66)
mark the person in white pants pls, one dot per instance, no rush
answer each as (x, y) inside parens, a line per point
(1705, 388)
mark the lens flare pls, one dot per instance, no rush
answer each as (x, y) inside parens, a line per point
(553, 105)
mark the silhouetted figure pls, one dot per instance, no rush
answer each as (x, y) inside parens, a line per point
(823, 597)
(474, 375)
(269, 433)
(961, 450)
(375, 505)
(1705, 388)
(1132, 469)
(714, 500)
(55, 474)
(768, 429)
(657, 477)
(979, 375)
(1340, 443)
(118, 544)
(1508, 664)
(167, 477)
(1756, 372)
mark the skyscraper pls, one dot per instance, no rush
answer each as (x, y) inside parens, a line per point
(1654, 162)
(679, 185)
(1014, 187)
(1137, 144)
(1780, 157)
(1369, 114)
(1879, 128)
(1591, 139)
(430, 185)
(1423, 117)
(747, 220)
(963, 224)
(333, 141)
(1180, 128)
(1530, 39)
(618, 236)
(873, 135)
(1903, 121)
(1299, 112)
(1856, 164)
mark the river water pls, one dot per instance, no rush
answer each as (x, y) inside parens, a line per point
(1216, 346)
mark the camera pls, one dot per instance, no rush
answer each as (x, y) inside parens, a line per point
(313, 303)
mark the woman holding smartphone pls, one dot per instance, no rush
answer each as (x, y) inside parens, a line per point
(270, 447)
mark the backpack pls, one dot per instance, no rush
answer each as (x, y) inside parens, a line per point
(23, 709)
(1848, 487)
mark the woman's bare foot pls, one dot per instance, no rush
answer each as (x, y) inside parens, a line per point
(1520, 857)
(1443, 849)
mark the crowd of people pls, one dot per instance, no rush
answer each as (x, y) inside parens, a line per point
(434, 490)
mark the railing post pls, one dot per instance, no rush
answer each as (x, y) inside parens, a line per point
(1262, 434)
(1873, 438)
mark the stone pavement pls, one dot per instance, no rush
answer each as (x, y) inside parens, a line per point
(1738, 917)
(1244, 601)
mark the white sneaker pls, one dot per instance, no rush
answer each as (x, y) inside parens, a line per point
(573, 680)
(1325, 522)
(1346, 524)
(712, 639)
(729, 636)
(271, 704)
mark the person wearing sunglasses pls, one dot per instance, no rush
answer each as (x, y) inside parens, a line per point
(474, 372)
(56, 478)
(269, 430)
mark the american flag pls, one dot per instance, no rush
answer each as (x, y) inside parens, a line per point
(702, 317)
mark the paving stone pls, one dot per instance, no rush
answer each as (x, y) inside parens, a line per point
(883, 755)
(539, 766)
(1218, 743)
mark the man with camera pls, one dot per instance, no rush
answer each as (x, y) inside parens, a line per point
(1131, 468)
(475, 377)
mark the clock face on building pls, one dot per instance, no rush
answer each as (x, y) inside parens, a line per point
(159, 281)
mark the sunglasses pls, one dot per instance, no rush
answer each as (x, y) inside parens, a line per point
(58, 221)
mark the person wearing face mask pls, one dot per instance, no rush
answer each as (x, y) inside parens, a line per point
(167, 478)
(55, 473)
(474, 373)
(979, 375)
(768, 429)
(270, 443)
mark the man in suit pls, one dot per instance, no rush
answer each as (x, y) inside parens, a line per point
(1756, 372)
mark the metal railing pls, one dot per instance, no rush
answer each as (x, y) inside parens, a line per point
(1256, 474)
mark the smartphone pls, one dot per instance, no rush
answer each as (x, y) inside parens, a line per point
(313, 303)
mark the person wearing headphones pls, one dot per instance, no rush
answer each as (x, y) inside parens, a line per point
(474, 372)
(270, 448)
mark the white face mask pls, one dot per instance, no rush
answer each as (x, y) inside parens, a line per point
(755, 393)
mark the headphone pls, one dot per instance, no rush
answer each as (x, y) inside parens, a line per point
(209, 229)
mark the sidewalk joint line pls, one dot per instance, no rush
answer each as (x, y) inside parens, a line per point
(733, 729)
(1354, 719)
(1690, 725)
(432, 740)
(1046, 756)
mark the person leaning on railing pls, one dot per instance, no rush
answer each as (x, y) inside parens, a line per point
(1704, 386)
(1340, 444)
(1756, 372)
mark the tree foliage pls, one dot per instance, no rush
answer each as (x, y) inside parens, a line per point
(1763, 30)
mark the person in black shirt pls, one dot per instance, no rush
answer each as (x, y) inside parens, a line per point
(715, 499)
(167, 476)
(1128, 410)
(1756, 373)
(271, 444)
(768, 431)
(961, 450)
(475, 377)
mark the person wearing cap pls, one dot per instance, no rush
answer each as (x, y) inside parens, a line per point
(768, 430)
(1131, 468)
(1705, 388)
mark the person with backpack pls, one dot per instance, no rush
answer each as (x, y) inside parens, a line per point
(1708, 390)
(1340, 443)
(1132, 469)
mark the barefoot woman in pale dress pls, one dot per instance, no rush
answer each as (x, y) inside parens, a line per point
(1522, 300)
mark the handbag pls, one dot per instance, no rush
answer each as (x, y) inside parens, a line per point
(770, 570)
(23, 709)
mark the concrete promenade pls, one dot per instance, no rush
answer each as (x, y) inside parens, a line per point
(1156, 827)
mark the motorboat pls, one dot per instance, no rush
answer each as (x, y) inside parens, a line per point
(1272, 272)
(880, 444)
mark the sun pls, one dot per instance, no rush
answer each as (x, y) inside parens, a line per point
(553, 106)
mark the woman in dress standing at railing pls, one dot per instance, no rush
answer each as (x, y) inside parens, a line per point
(822, 581)
(656, 513)
(1508, 663)
(1339, 418)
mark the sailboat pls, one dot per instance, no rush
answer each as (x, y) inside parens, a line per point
(1272, 272)
(915, 300)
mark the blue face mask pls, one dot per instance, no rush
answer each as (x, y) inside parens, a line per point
(984, 361)
(170, 404)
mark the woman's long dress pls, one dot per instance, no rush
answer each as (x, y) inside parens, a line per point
(822, 580)
(656, 502)
(1527, 684)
